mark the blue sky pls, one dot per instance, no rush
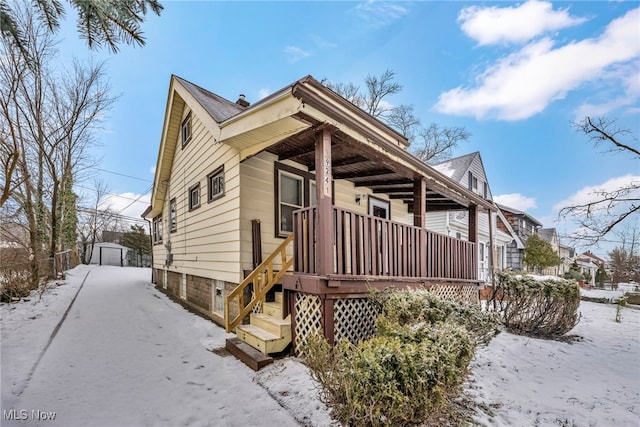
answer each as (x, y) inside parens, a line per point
(515, 75)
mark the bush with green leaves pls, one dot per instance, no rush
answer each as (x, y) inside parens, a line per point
(538, 308)
(417, 358)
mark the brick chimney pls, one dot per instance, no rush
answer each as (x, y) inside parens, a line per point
(242, 101)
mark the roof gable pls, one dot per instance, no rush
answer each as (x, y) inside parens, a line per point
(457, 167)
(219, 108)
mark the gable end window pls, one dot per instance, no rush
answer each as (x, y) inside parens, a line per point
(185, 130)
(194, 197)
(215, 187)
(173, 216)
(473, 183)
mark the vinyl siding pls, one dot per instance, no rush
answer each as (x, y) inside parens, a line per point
(257, 202)
(206, 242)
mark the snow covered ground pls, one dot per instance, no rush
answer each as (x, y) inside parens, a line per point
(126, 355)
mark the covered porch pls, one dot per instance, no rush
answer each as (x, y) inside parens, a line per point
(340, 254)
(342, 158)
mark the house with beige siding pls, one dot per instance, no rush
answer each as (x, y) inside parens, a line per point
(275, 219)
(469, 171)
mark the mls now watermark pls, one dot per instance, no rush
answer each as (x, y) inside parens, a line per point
(23, 415)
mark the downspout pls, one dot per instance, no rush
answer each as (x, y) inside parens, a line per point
(150, 241)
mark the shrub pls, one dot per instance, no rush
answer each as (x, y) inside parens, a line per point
(14, 284)
(417, 358)
(421, 307)
(545, 309)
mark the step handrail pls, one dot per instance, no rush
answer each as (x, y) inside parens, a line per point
(263, 277)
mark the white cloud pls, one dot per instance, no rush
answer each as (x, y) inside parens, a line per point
(593, 193)
(516, 201)
(152, 170)
(263, 93)
(524, 83)
(295, 54)
(378, 14)
(498, 25)
(322, 43)
(608, 99)
(127, 204)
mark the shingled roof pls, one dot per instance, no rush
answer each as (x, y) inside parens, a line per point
(219, 108)
(456, 168)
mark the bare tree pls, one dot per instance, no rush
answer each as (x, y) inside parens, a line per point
(111, 22)
(431, 144)
(49, 122)
(403, 120)
(436, 142)
(95, 219)
(624, 259)
(608, 208)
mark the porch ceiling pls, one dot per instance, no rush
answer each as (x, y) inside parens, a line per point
(362, 166)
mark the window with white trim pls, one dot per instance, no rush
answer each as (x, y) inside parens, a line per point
(294, 189)
(290, 198)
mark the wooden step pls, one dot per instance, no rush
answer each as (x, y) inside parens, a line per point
(278, 296)
(275, 326)
(273, 309)
(247, 354)
(262, 340)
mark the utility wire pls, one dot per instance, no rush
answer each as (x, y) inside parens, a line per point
(138, 199)
(122, 174)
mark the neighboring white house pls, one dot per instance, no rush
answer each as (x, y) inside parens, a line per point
(109, 254)
(468, 171)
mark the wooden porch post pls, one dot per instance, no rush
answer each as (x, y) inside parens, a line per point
(419, 220)
(419, 202)
(325, 235)
(473, 223)
(327, 319)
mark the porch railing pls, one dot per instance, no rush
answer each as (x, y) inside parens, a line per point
(258, 283)
(365, 245)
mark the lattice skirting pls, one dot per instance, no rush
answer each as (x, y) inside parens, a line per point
(308, 319)
(464, 293)
(354, 318)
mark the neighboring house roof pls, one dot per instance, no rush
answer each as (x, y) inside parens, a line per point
(457, 167)
(596, 259)
(519, 213)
